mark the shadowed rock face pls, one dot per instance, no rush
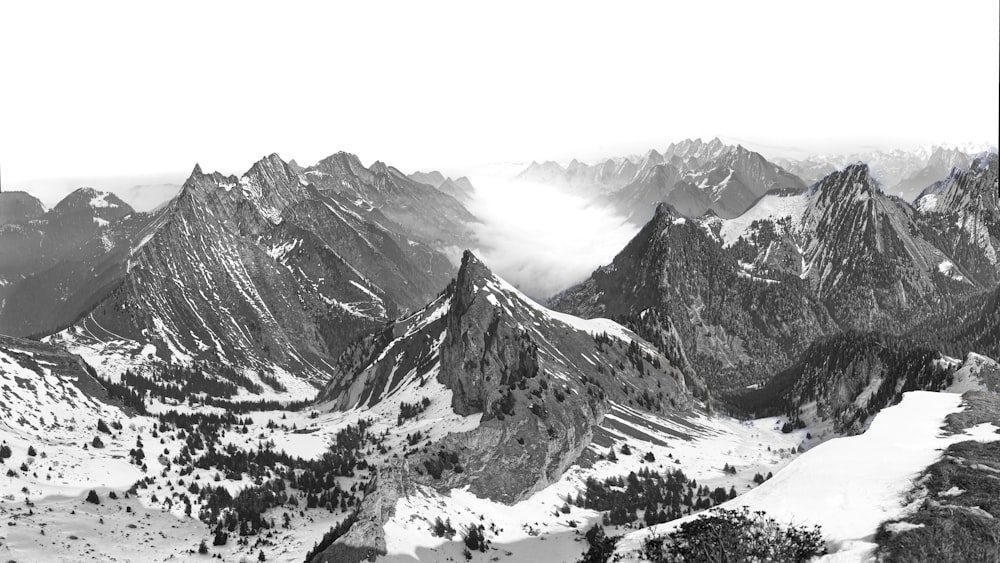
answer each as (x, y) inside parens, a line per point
(57, 264)
(540, 381)
(17, 207)
(365, 540)
(675, 277)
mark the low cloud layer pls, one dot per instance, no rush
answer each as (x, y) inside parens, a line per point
(543, 239)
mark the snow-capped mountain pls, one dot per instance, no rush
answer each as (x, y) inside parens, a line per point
(531, 373)
(888, 167)
(472, 422)
(693, 176)
(748, 294)
(698, 177)
(390, 199)
(59, 263)
(939, 165)
(270, 272)
(460, 188)
(735, 326)
(535, 387)
(869, 256)
(902, 173)
(42, 239)
(864, 253)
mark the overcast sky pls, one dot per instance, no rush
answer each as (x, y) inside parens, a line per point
(94, 89)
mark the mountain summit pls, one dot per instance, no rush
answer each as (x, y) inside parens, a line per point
(271, 272)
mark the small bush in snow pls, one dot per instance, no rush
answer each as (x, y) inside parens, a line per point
(735, 535)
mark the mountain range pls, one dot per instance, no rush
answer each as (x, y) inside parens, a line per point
(279, 268)
(693, 176)
(748, 294)
(306, 356)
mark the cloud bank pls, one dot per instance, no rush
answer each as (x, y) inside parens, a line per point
(543, 239)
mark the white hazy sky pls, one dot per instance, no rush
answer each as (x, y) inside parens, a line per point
(99, 89)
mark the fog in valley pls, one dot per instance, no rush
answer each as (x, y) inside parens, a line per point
(541, 238)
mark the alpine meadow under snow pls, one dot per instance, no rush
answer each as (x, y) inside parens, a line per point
(561, 282)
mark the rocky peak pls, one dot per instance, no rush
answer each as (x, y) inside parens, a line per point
(92, 203)
(653, 158)
(970, 188)
(16, 207)
(433, 178)
(270, 174)
(665, 213)
(379, 167)
(339, 164)
(948, 159)
(853, 181)
(523, 368)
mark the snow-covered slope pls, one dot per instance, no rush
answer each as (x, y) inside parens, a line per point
(539, 528)
(848, 486)
(977, 373)
(51, 404)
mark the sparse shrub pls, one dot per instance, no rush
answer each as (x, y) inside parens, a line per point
(735, 535)
(474, 538)
(601, 546)
(97, 443)
(443, 528)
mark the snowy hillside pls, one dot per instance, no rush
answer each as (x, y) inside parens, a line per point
(837, 486)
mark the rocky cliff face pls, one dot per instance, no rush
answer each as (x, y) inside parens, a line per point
(865, 254)
(875, 261)
(736, 327)
(389, 198)
(962, 214)
(540, 381)
(268, 271)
